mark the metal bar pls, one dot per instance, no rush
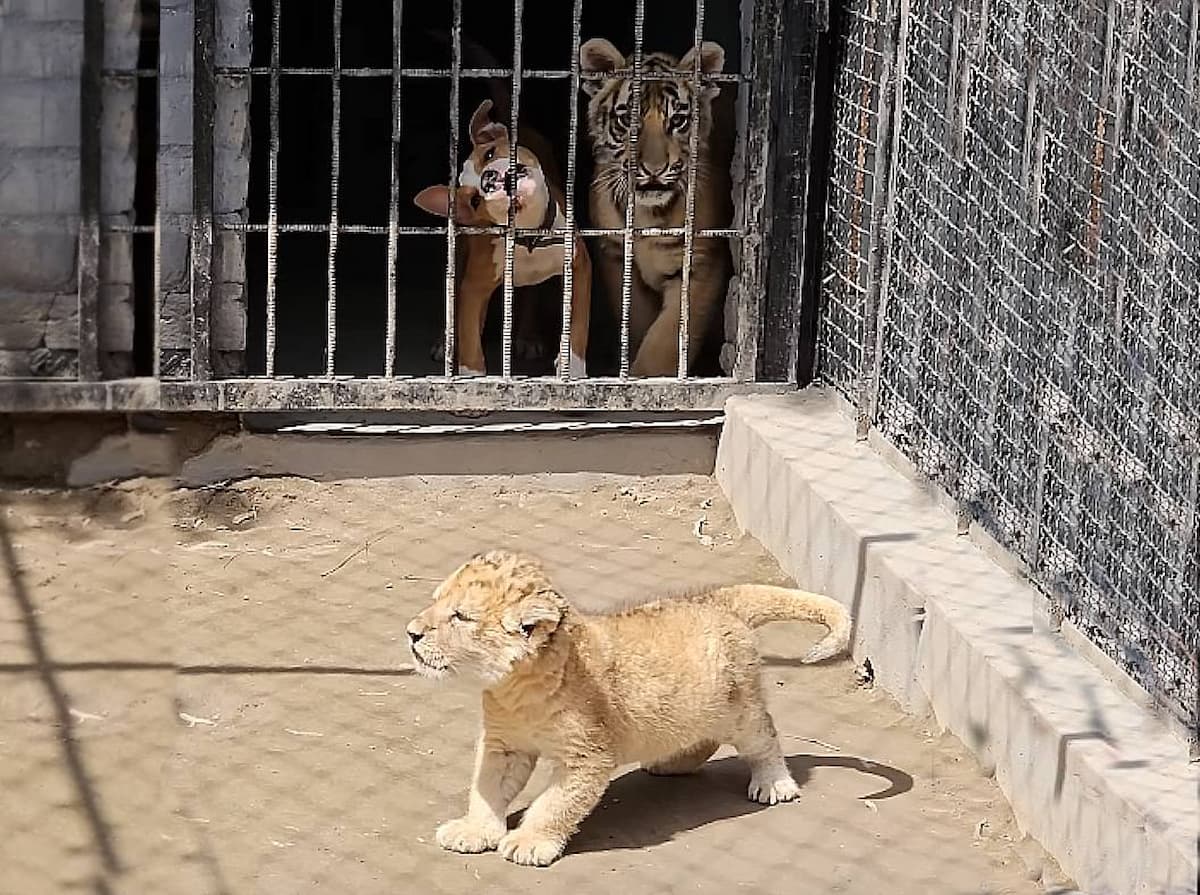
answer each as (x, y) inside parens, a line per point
(334, 176)
(389, 351)
(273, 188)
(887, 142)
(451, 218)
(510, 238)
(564, 344)
(380, 230)
(689, 217)
(204, 110)
(631, 162)
(537, 74)
(764, 61)
(400, 393)
(90, 98)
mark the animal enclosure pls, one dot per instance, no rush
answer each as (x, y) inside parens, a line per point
(1010, 272)
(258, 243)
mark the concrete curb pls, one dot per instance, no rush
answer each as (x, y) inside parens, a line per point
(1093, 776)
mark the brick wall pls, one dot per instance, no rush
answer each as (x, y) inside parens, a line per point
(41, 52)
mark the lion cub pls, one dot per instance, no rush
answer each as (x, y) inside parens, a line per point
(664, 685)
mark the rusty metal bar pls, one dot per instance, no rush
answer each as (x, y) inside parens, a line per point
(204, 110)
(564, 343)
(631, 161)
(389, 351)
(272, 228)
(380, 230)
(451, 217)
(538, 74)
(335, 156)
(510, 238)
(90, 97)
(689, 219)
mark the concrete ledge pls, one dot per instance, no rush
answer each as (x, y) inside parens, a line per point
(1095, 777)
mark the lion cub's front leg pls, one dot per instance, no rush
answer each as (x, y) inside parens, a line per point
(499, 776)
(556, 813)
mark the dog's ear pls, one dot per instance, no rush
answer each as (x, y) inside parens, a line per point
(436, 200)
(598, 55)
(482, 128)
(712, 61)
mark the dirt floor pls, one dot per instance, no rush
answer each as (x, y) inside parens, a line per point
(209, 692)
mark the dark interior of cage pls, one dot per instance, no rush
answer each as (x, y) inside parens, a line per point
(304, 184)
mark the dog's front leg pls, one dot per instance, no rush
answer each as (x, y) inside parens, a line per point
(555, 814)
(581, 310)
(500, 775)
(473, 297)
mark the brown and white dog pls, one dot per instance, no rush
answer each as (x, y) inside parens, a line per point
(485, 187)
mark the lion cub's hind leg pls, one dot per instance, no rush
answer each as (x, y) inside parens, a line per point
(686, 762)
(757, 741)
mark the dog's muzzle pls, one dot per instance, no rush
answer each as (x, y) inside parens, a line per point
(501, 178)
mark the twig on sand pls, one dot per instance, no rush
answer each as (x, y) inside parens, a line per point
(362, 548)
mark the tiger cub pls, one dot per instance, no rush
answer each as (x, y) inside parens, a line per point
(660, 198)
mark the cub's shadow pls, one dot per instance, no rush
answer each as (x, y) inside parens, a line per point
(640, 810)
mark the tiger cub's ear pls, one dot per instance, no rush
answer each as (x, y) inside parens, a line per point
(712, 61)
(598, 55)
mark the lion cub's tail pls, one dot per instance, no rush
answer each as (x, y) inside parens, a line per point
(757, 604)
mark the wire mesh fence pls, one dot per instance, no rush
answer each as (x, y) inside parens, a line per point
(209, 691)
(1011, 292)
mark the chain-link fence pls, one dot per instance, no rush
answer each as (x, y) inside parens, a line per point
(1012, 291)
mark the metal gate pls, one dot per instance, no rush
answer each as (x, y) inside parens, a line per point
(196, 87)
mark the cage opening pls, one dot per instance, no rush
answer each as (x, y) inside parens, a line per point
(364, 60)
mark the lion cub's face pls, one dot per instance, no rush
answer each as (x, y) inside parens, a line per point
(494, 611)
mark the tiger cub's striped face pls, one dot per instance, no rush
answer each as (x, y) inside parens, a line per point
(666, 120)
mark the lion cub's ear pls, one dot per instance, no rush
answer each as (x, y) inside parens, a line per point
(542, 610)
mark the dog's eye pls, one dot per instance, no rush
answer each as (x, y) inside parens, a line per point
(489, 155)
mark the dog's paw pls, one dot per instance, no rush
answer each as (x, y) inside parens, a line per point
(468, 836)
(531, 849)
(577, 368)
(768, 791)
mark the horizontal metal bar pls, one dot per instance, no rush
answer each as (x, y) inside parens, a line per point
(120, 74)
(136, 229)
(383, 230)
(435, 393)
(532, 74)
(507, 427)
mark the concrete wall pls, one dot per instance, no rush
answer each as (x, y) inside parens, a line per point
(41, 54)
(1094, 776)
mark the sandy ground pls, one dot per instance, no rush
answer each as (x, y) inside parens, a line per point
(207, 692)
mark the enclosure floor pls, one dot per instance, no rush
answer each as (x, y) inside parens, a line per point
(207, 692)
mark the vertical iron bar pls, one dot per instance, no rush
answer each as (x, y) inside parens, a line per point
(90, 97)
(888, 132)
(273, 188)
(452, 210)
(389, 351)
(689, 220)
(767, 29)
(631, 161)
(334, 173)
(564, 345)
(204, 109)
(511, 236)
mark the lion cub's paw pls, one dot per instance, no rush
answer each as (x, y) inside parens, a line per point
(531, 849)
(467, 836)
(769, 791)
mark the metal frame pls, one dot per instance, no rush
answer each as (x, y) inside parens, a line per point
(200, 391)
